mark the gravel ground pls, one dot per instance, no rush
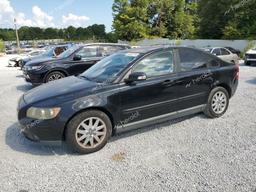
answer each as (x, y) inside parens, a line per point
(188, 154)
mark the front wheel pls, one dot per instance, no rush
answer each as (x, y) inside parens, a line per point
(217, 103)
(54, 76)
(88, 131)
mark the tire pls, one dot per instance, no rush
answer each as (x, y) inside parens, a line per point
(16, 64)
(247, 63)
(19, 63)
(55, 75)
(81, 137)
(217, 103)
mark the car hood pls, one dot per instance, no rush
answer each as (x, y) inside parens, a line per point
(39, 60)
(251, 51)
(57, 89)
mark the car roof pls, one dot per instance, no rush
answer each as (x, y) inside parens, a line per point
(214, 47)
(110, 44)
(147, 49)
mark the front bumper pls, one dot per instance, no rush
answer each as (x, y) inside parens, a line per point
(46, 131)
(33, 77)
(39, 130)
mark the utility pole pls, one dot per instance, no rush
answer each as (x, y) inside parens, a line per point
(17, 36)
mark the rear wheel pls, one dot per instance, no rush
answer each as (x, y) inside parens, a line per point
(217, 103)
(89, 131)
(54, 76)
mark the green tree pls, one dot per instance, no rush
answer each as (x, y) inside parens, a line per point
(50, 33)
(2, 47)
(130, 19)
(136, 19)
(228, 19)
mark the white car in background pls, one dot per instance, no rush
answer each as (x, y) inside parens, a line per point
(223, 54)
(250, 57)
(15, 62)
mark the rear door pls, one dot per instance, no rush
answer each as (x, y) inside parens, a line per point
(89, 56)
(195, 77)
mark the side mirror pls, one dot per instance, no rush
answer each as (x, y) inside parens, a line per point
(137, 76)
(77, 58)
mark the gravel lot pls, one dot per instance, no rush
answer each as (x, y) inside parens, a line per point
(188, 154)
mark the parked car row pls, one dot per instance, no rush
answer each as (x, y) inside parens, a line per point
(149, 84)
(224, 53)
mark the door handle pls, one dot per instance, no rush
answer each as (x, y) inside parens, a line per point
(168, 82)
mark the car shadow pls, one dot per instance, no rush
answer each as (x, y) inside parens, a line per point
(18, 142)
(252, 81)
(19, 76)
(25, 87)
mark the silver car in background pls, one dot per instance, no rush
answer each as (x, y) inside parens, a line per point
(223, 54)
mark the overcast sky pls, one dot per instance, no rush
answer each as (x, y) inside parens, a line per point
(56, 13)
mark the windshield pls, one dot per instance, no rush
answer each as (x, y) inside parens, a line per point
(108, 68)
(49, 52)
(68, 52)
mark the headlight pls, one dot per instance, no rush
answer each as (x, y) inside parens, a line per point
(35, 67)
(42, 113)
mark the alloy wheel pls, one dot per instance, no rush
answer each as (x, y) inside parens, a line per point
(91, 132)
(55, 76)
(219, 102)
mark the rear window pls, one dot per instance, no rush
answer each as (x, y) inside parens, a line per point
(191, 59)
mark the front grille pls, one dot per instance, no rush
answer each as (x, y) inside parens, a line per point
(251, 56)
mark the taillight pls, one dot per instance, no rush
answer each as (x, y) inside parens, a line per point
(237, 72)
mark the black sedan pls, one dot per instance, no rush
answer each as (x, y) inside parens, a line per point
(74, 61)
(127, 90)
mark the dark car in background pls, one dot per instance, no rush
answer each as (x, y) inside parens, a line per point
(127, 90)
(51, 52)
(74, 61)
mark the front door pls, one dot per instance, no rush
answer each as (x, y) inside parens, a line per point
(89, 56)
(155, 95)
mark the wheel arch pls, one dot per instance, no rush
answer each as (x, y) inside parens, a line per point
(102, 109)
(227, 87)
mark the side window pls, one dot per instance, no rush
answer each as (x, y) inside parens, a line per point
(90, 51)
(59, 50)
(224, 52)
(216, 51)
(108, 50)
(191, 59)
(157, 64)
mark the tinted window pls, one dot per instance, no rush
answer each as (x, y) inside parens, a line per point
(224, 52)
(160, 63)
(91, 51)
(216, 51)
(59, 50)
(108, 50)
(191, 59)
